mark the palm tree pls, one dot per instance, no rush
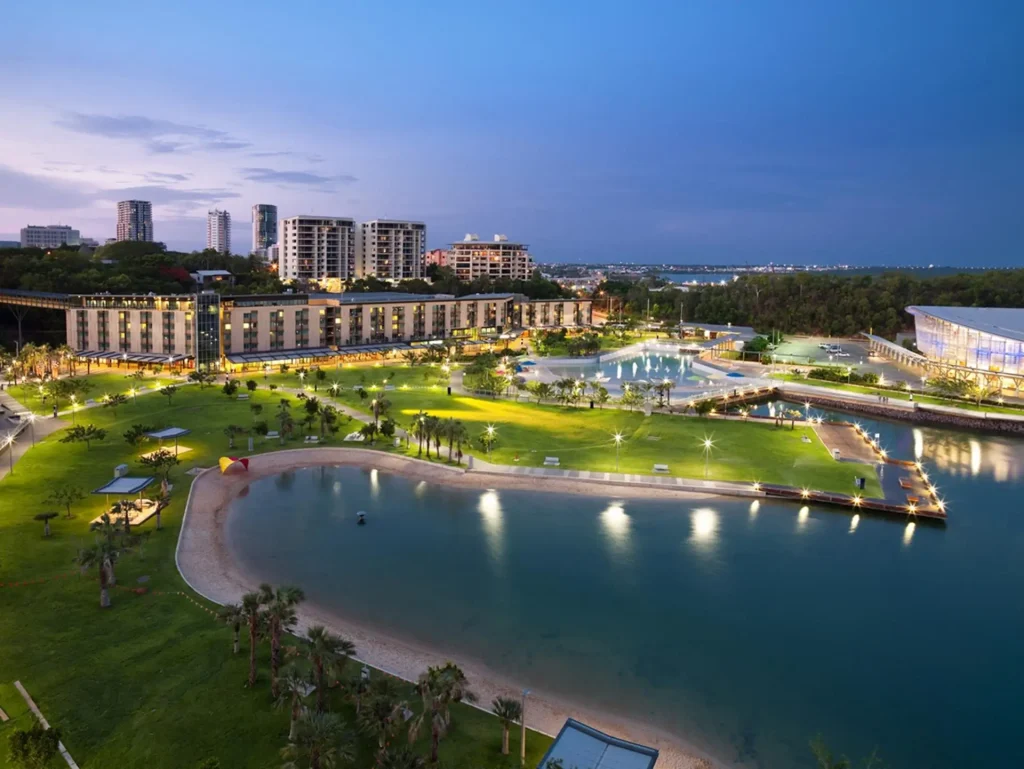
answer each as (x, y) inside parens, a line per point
(543, 391)
(45, 518)
(233, 617)
(509, 711)
(448, 430)
(252, 611)
(369, 431)
(322, 740)
(419, 429)
(280, 615)
(102, 554)
(231, 431)
(431, 425)
(460, 434)
(381, 716)
(439, 687)
(327, 654)
(284, 417)
(401, 758)
(295, 687)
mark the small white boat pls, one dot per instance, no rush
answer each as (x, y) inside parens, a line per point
(360, 518)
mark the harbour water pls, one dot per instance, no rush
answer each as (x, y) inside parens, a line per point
(746, 628)
(648, 366)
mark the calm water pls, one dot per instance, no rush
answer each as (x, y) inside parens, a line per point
(746, 628)
(678, 368)
(697, 277)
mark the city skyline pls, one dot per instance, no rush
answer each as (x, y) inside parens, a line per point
(718, 135)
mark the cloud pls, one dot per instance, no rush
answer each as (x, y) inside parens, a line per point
(21, 190)
(158, 136)
(161, 195)
(288, 153)
(159, 176)
(296, 178)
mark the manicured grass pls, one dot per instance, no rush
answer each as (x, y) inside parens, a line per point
(150, 682)
(106, 383)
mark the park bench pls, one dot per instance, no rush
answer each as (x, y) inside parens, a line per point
(243, 396)
(550, 461)
(273, 434)
(661, 469)
(311, 439)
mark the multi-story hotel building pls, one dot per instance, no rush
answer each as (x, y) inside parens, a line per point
(135, 220)
(392, 250)
(218, 231)
(264, 228)
(317, 249)
(473, 258)
(208, 330)
(49, 236)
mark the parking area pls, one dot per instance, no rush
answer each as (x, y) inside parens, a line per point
(808, 351)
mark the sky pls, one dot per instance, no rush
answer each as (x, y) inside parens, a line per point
(691, 131)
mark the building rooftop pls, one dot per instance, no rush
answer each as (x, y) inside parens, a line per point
(370, 297)
(1000, 321)
(579, 746)
(212, 273)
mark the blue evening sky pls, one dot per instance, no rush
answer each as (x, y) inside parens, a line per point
(875, 131)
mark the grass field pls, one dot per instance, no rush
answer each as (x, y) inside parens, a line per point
(151, 682)
(106, 383)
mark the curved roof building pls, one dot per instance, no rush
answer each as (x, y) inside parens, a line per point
(988, 339)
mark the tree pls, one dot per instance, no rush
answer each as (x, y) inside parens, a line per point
(419, 429)
(439, 687)
(232, 615)
(295, 686)
(327, 654)
(321, 741)
(34, 748)
(432, 425)
(401, 758)
(704, 407)
(230, 388)
(252, 612)
(102, 554)
(168, 392)
(631, 397)
(542, 391)
(84, 434)
(231, 431)
(280, 615)
(979, 391)
(113, 401)
(45, 518)
(284, 418)
(160, 462)
(256, 410)
(369, 431)
(328, 420)
(202, 378)
(135, 434)
(508, 710)
(251, 385)
(381, 716)
(65, 496)
(388, 428)
(459, 434)
(601, 396)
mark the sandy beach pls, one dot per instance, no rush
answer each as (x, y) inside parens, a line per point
(207, 565)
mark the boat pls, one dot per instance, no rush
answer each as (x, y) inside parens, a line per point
(360, 518)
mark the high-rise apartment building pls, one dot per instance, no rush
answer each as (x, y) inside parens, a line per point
(49, 236)
(218, 231)
(437, 256)
(392, 250)
(135, 220)
(472, 258)
(318, 249)
(264, 228)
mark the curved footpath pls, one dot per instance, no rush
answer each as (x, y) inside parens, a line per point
(207, 566)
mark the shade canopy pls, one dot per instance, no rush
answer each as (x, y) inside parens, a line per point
(168, 433)
(584, 747)
(125, 485)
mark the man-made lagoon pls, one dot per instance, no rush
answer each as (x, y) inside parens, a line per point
(745, 627)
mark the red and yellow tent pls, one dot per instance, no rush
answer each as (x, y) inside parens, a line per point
(231, 463)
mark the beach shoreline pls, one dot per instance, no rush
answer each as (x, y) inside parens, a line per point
(207, 565)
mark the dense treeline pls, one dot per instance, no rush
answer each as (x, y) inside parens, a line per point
(817, 303)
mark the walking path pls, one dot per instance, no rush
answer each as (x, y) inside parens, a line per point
(45, 724)
(25, 430)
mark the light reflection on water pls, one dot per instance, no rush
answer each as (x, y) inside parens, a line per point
(494, 524)
(615, 525)
(704, 527)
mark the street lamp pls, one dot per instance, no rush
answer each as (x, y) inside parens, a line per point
(74, 404)
(490, 439)
(32, 427)
(618, 441)
(708, 444)
(9, 443)
(133, 391)
(522, 734)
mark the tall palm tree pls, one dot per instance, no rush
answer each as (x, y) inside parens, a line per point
(419, 429)
(401, 758)
(232, 616)
(322, 740)
(102, 554)
(381, 716)
(439, 687)
(432, 425)
(252, 611)
(448, 430)
(460, 434)
(508, 710)
(295, 686)
(280, 615)
(327, 653)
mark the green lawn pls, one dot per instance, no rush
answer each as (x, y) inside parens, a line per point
(150, 682)
(107, 383)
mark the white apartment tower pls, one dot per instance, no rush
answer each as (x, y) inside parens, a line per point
(135, 220)
(218, 231)
(264, 228)
(50, 236)
(320, 249)
(392, 250)
(472, 258)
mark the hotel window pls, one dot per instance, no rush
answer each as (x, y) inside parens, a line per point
(168, 333)
(397, 323)
(323, 327)
(419, 321)
(559, 313)
(82, 328)
(355, 325)
(491, 310)
(302, 328)
(437, 326)
(250, 331)
(471, 315)
(189, 332)
(225, 335)
(377, 324)
(277, 330)
(455, 316)
(545, 315)
(146, 331)
(124, 331)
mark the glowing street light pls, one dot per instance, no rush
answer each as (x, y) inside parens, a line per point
(708, 444)
(618, 441)
(490, 432)
(74, 406)
(9, 445)
(133, 392)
